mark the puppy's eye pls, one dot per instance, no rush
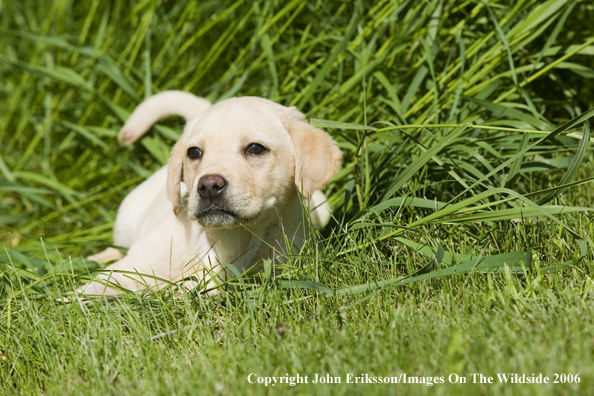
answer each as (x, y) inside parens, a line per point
(194, 153)
(255, 149)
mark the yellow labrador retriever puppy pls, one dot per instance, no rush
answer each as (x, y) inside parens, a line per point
(230, 193)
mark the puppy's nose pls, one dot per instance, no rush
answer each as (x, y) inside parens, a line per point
(211, 186)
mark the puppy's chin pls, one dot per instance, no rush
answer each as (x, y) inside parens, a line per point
(217, 218)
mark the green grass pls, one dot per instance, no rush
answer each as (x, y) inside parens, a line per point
(463, 208)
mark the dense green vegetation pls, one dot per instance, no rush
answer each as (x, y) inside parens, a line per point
(462, 234)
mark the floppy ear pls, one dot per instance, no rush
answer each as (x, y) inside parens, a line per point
(317, 156)
(175, 174)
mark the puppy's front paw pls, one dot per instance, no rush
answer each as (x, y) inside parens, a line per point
(96, 289)
(106, 256)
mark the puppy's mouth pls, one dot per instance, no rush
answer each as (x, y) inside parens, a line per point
(216, 216)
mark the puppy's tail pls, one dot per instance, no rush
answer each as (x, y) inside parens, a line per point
(161, 105)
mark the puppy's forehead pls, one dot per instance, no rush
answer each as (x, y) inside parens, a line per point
(241, 118)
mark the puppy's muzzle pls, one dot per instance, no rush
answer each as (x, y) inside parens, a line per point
(213, 209)
(212, 187)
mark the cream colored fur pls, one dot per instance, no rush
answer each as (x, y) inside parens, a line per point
(164, 223)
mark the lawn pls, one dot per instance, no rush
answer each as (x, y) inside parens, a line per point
(460, 252)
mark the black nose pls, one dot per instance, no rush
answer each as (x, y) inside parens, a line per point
(211, 186)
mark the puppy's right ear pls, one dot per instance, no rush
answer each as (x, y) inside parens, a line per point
(317, 156)
(175, 174)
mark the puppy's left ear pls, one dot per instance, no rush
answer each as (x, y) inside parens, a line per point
(317, 156)
(175, 174)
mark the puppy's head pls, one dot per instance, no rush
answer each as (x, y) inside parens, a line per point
(244, 156)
